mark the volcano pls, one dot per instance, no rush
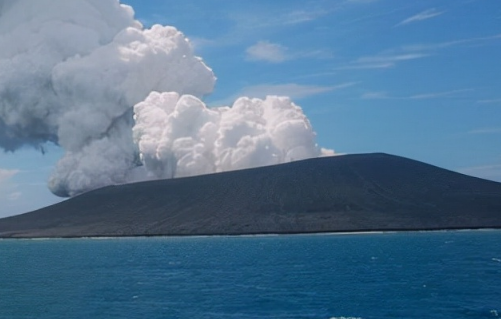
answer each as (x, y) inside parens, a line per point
(362, 192)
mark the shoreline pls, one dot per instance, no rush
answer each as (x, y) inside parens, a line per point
(333, 233)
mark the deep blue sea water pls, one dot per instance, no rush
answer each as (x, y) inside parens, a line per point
(390, 275)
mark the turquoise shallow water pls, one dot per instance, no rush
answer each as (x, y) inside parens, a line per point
(392, 275)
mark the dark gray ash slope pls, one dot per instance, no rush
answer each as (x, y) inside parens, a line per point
(345, 193)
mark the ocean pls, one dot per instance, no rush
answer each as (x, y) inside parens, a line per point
(453, 274)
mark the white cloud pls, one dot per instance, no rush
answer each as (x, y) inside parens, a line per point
(180, 136)
(77, 43)
(425, 15)
(277, 53)
(390, 59)
(267, 51)
(6, 174)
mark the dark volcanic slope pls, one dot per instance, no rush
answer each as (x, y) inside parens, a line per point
(344, 193)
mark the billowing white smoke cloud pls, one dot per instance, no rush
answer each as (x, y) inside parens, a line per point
(35, 37)
(104, 85)
(71, 71)
(179, 136)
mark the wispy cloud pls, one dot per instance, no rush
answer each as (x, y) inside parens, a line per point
(302, 16)
(14, 196)
(241, 23)
(488, 130)
(391, 57)
(434, 95)
(366, 66)
(259, 19)
(267, 51)
(443, 45)
(490, 101)
(273, 19)
(380, 61)
(313, 54)
(292, 90)
(423, 96)
(425, 15)
(276, 53)
(6, 174)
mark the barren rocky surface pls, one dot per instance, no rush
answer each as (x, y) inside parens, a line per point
(344, 193)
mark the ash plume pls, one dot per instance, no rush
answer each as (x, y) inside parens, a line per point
(85, 75)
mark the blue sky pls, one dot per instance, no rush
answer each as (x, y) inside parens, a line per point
(420, 79)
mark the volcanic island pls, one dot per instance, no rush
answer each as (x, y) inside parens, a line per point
(347, 193)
